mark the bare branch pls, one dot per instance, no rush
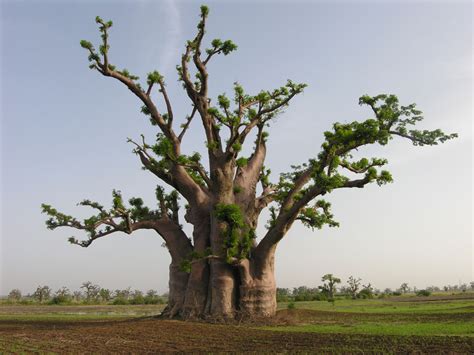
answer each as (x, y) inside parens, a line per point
(168, 103)
(186, 125)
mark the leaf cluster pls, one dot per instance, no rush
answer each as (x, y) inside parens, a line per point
(238, 236)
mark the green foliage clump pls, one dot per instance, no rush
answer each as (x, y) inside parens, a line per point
(237, 189)
(241, 162)
(425, 293)
(317, 216)
(154, 78)
(61, 300)
(238, 236)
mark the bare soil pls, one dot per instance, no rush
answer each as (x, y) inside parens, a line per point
(151, 335)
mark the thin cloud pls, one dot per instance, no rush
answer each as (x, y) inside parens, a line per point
(170, 50)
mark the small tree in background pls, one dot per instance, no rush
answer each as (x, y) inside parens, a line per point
(367, 291)
(63, 292)
(283, 294)
(404, 288)
(42, 293)
(151, 293)
(14, 295)
(151, 297)
(137, 297)
(91, 291)
(329, 286)
(105, 294)
(123, 294)
(354, 285)
(62, 295)
(77, 296)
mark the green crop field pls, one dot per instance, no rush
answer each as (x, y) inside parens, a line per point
(396, 324)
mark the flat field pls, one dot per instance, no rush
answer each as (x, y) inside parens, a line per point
(435, 324)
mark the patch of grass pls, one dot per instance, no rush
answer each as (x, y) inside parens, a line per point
(421, 329)
(387, 306)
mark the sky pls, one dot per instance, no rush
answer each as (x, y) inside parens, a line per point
(64, 130)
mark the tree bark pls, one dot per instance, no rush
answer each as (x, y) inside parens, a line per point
(178, 284)
(220, 291)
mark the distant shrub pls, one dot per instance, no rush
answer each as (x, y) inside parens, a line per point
(138, 299)
(120, 301)
(320, 297)
(60, 299)
(291, 305)
(396, 293)
(423, 293)
(283, 294)
(14, 295)
(365, 294)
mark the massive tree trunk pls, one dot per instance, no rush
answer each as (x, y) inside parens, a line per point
(231, 291)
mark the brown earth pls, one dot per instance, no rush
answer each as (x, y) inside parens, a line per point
(151, 335)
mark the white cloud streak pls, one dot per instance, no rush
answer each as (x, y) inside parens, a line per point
(170, 51)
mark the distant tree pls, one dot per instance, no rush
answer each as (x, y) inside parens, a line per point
(151, 293)
(472, 285)
(63, 292)
(14, 295)
(105, 294)
(42, 293)
(463, 287)
(123, 294)
(283, 294)
(354, 285)
(329, 286)
(62, 295)
(387, 291)
(304, 293)
(137, 297)
(77, 296)
(404, 287)
(91, 291)
(222, 269)
(151, 297)
(433, 289)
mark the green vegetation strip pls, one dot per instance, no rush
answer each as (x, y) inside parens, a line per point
(379, 306)
(422, 329)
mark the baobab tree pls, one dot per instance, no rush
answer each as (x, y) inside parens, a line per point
(223, 269)
(91, 291)
(404, 287)
(354, 285)
(42, 293)
(329, 286)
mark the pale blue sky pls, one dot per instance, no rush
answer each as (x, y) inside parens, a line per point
(64, 129)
